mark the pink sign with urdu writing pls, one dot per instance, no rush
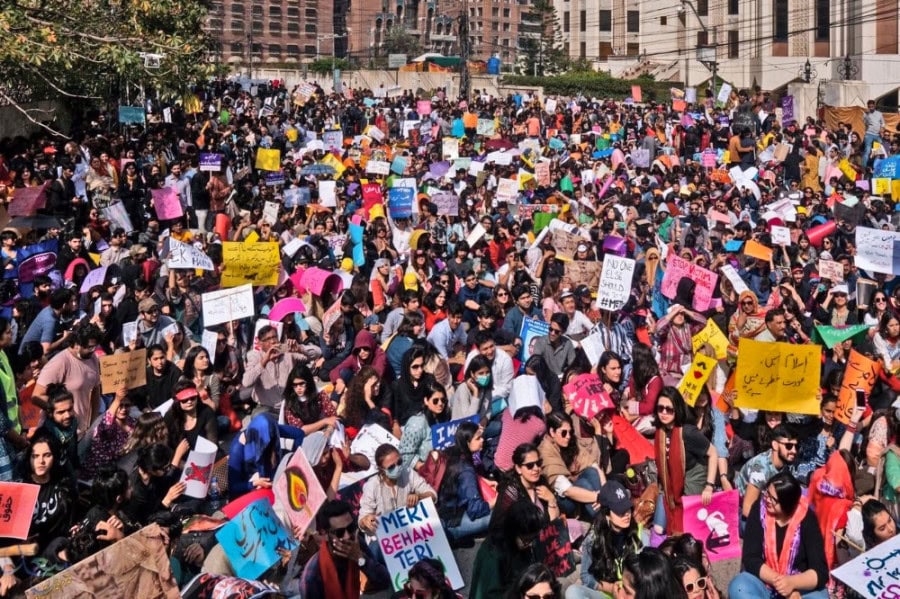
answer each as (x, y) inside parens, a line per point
(17, 501)
(166, 203)
(715, 525)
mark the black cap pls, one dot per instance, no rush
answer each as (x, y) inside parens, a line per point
(616, 497)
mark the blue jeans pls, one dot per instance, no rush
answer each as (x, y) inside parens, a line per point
(867, 147)
(468, 527)
(659, 516)
(590, 480)
(748, 586)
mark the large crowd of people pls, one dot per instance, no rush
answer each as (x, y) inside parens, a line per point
(480, 296)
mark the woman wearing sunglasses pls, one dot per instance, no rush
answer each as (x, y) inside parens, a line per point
(694, 579)
(189, 417)
(686, 460)
(536, 582)
(415, 442)
(570, 464)
(526, 481)
(427, 580)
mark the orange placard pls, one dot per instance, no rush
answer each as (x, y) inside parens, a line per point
(861, 373)
(679, 105)
(757, 250)
(17, 502)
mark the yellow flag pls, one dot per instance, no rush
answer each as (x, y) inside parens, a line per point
(338, 166)
(268, 160)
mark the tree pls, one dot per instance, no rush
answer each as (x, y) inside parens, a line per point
(89, 50)
(398, 41)
(324, 66)
(541, 52)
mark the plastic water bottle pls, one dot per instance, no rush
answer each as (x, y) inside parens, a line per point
(214, 496)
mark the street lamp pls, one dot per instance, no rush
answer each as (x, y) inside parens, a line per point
(807, 72)
(706, 54)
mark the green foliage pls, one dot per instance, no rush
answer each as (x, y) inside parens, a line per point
(324, 66)
(593, 84)
(580, 65)
(94, 47)
(398, 41)
(542, 55)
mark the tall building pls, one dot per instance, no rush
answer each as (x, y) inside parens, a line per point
(752, 42)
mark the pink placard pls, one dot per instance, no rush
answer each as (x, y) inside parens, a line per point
(288, 305)
(715, 525)
(636, 93)
(17, 501)
(587, 395)
(315, 280)
(299, 492)
(423, 107)
(371, 192)
(166, 203)
(676, 268)
(28, 200)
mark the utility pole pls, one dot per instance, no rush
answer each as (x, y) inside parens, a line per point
(464, 50)
(250, 50)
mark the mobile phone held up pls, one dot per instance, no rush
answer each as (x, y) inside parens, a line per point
(860, 398)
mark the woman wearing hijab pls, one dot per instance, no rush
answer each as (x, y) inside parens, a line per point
(748, 321)
(256, 453)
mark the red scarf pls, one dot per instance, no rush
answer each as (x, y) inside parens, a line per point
(671, 477)
(782, 562)
(333, 587)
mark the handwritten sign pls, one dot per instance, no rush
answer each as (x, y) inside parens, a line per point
(565, 243)
(369, 438)
(226, 305)
(254, 263)
(583, 272)
(873, 574)
(442, 433)
(268, 160)
(252, 540)
(715, 525)
(586, 394)
(781, 235)
(553, 548)
(185, 255)
(378, 167)
(615, 282)
(450, 148)
(333, 140)
(734, 278)
(507, 190)
(400, 202)
(408, 535)
(198, 468)
(270, 212)
(447, 203)
(17, 501)
(861, 373)
(705, 279)
(485, 127)
(692, 381)
(876, 250)
(128, 369)
(166, 203)
(299, 492)
(778, 376)
(714, 336)
(831, 270)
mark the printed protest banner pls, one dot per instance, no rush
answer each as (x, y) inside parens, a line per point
(873, 574)
(185, 255)
(442, 433)
(831, 270)
(583, 272)
(586, 394)
(408, 535)
(400, 202)
(128, 369)
(252, 540)
(705, 280)
(17, 501)
(787, 109)
(693, 380)
(531, 330)
(778, 376)
(268, 160)
(713, 335)
(166, 203)
(198, 468)
(831, 336)
(877, 250)
(715, 525)
(136, 566)
(299, 492)
(226, 305)
(254, 263)
(566, 243)
(614, 288)
(860, 373)
(210, 162)
(450, 148)
(28, 200)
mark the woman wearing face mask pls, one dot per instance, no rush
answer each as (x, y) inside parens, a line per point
(464, 512)
(303, 407)
(396, 485)
(415, 442)
(475, 391)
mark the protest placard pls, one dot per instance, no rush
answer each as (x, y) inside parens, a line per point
(270, 212)
(378, 167)
(485, 127)
(409, 534)
(586, 394)
(714, 336)
(781, 235)
(877, 250)
(705, 279)
(507, 190)
(226, 305)
(299, 492)
(583, 272)
(254, 263)
(17, 501)
(755, 249)
(398, 165)
(542, 173)
(333, 140)
(400, 202)
(831, 270)
(93, 278)
(531, 330)
(639, 447)
(28, 200)
(442, 433)
(778, 376)
(636, 94)
(185, 255)
(447, 203)
(423, 107)
(477, 232)
(615, 282)
(166, 203)
(593, 346)
(566, 243)
(252, 539)
(861, 373)
(198, 467)
(715, 525)
(450, 148)
(734, 278)
(118, 217)
(128, 369)
(369, 438)
(873, 574)
(268, 160)
(210, 162)
(692, 381)
(135, 567)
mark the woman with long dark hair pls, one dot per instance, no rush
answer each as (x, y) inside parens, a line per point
(536, 581)
(571, 465)
(694, 579)
(473, 395)
(198, 369)
(415, 441)
(428, 580)
(303, 406)
(189, 418)
(464, 512)
(361, 402)
(406, 394)
(526, 481)
(643, 388)
(649, 575)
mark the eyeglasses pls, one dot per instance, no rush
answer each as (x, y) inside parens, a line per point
(539, 463)
(880, 300)
(502, 294)
(769, 498)
(555, 331)
(665, 409)
(416, 366)
(564, 432)
(340, 533)
(439, 400)
(747, 302)
(698, 585)
(789, 445)
(152, 311)
(536, 596)
(413, 594)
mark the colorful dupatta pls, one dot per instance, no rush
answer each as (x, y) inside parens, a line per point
(783, 561)
(671, 466)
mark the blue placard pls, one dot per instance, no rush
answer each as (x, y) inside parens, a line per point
(443, 433)
(887, 168)
(531, 330)
(733, 246)
(400, 201)
(252, 540)
(131, 115)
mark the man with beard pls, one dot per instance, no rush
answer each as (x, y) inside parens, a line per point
(751, 480)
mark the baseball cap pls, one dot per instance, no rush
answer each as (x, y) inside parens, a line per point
(147, 304)
(616, 497)
(565, 293)
(582, 291)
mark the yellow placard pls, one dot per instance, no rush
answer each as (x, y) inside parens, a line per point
(268, 160)
(848, 170)
(713, 335)
(338, 166)
(693, 380)
(881, 186)
(254, 263)
(895, 190)
(251, 237)
(778, 376)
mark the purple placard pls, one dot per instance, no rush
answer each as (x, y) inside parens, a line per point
(210, 162)
(273, 179)
(787, 109)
